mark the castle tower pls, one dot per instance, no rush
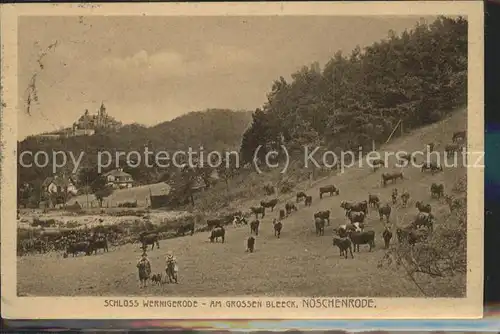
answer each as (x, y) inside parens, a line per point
(101, 115)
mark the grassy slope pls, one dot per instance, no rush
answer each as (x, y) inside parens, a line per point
(298, 264)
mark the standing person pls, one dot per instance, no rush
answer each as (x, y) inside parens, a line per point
(171, 268)
(144, 267)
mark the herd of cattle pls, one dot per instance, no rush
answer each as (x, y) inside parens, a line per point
(347, 236)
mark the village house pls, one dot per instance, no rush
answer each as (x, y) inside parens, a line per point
(59, 184)
(117, 178)
(58, 189)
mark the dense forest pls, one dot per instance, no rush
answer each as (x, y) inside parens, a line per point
(418, 77)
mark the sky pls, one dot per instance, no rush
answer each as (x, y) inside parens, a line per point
(149, 70)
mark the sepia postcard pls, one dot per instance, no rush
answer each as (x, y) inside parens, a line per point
(242, 160)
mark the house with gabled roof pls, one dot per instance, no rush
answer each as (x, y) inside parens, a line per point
(58, 189)
(59, 184)
(118, 179)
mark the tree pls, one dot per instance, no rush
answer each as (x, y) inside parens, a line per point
(183, 182)
(227, 169)
(25, 194)
(100, 189)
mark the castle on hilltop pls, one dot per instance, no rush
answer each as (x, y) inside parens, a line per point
(86, 125)
(89, 124)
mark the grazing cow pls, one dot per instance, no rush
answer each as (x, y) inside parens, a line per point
(218, 232)
(211, 223)
(437, 190)
(300, 195)
(450, 149)
(331, 189)
(391, 177)
(254, 227)
(282, 214)
(188, 227)
(355, 227)
(423, 207)
(77, 247)
(238, 220)
(308, 201)
(269, 204)
(394, 196)
(156, 279)
(341, 231)
(250, 244)
(407, 157)
(356, 216)
(387, 236)
(289, 207)
(320, 226)
(385, 211)
(344, 244)
(459, 135)
(373, 201)
(410, 235)
(362, 238)
(99, 243)
(377, 163)
(147, 239)
(278, 225)
(432, 166)
(402, 234)
(405, 196)
(354, 206)
(423, 219)
(324, 215)
(258, 210)
(347, 206)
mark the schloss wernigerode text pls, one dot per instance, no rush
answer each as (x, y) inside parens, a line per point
(274, 304)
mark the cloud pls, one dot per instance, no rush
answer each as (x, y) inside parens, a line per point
(213, 58)
(165, 61)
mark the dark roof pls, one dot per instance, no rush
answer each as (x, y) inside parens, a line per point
(118, 173)
(60, 181)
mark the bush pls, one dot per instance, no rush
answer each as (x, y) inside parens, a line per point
(128, 204)
(137, 213)
(71, 224)
(442, 255)
(43, 223)
(286, 186)
(461, 185)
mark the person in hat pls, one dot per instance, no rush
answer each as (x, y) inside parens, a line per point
(144, 267)
(171, 266)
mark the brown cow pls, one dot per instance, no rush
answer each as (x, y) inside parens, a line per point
(391, 177)
(331, 189)
(320, 226)
(344, 244)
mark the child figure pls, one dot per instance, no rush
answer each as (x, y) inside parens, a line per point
(144, 267)
(171, 269)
